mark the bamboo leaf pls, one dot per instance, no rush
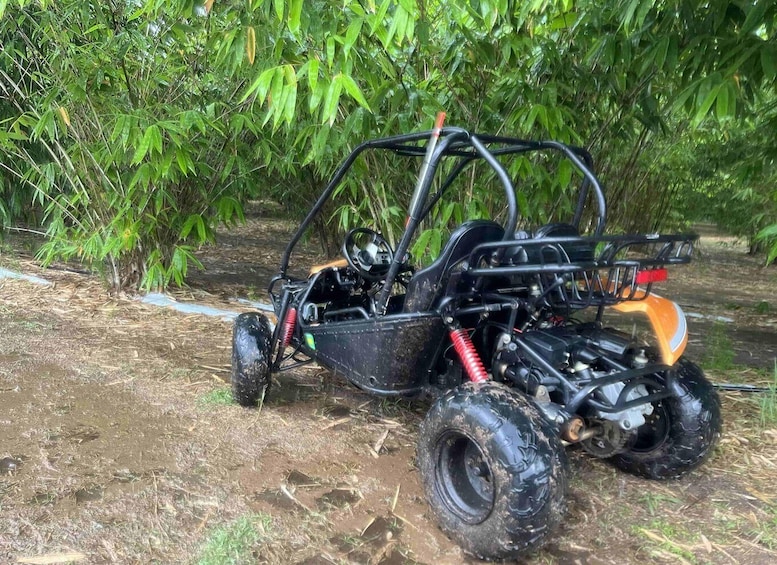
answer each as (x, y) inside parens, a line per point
(628, 16)
(154, 137)
(261, 85)
(661, 50)
(141, 150)
(704, 107)
(447, 212)
(755, 16)
(721, 102)
(250, 44)
(290, 103)
(185, 163)
(768, 62)
(329, 111)
(295, 12)
(330, 51)
(315, 97)
(351, 35)
(564, 173)
(142, 176)
(419, 248)
(313, 74)
(435, 243)
(64, 115)
(380, 15)
(276, 88)
(119, 127)
(280, 9)
(193, 221)
(354, 92)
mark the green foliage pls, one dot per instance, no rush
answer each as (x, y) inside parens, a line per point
(732, 180)
(131, 130)
(123, 135)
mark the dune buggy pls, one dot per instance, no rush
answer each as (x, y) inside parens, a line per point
(505, 330)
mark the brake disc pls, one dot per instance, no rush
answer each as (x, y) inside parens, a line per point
(608, 442)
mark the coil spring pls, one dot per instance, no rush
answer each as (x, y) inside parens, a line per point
(469, 357)
(288, 326)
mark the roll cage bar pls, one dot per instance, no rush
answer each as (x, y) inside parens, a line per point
(455, 142)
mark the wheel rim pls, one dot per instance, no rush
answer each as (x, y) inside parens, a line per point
(464, 478)
(654, 432)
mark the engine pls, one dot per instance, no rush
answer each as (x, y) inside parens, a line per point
(553, 364)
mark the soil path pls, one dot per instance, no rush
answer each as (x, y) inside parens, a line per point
(115, 441)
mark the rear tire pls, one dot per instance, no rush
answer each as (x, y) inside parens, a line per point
(493, 469)
(251, 358)
(681, 432)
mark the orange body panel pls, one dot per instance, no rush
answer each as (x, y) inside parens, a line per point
(337, 264)
(667, 320)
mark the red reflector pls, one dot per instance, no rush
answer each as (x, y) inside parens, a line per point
(651, 276)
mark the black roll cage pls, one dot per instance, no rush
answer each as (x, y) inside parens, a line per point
(454, 142)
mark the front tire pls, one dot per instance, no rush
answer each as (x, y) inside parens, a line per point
(681, 432)
(251, 358)
(493, 469)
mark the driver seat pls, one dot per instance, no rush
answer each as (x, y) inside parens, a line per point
(428, 283)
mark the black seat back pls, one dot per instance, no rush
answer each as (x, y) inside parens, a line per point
(576, 252)
(428, 283)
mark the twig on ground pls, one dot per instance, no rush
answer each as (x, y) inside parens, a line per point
(51, 558)
(395, 499)
(296, 501)
(379, 444)
(404, 521)
(336, 423)
(217, 369)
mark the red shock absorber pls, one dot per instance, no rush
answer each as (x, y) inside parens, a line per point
(288, 326)
(469, 357)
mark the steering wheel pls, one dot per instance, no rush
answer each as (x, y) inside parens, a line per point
(368, 253)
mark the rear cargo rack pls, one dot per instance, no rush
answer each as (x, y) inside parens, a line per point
(582, 271)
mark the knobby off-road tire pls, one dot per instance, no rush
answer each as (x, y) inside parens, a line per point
(493, 469)
(251, 358)
(680, 433)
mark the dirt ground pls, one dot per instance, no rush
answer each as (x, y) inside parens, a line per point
(118, 444)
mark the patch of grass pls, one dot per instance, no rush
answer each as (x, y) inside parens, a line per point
(393, 407)
(8, 258)
(216, 397)
(760, 526)
(763, 307)
(719, 353)
(233, 544)
(176, 374)
(765, 533)
(655, 501)
(725, 519)
(768, 402)
(668, 537)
